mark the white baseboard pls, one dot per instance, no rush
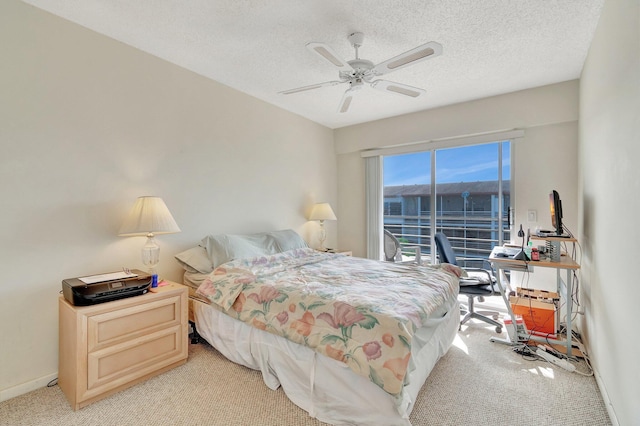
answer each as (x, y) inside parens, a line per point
(605, 397)
(27, 387)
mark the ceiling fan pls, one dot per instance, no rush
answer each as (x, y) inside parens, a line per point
(357, 72)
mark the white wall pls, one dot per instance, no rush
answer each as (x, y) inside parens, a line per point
(609, 186)
(88, 124)
(545, 158)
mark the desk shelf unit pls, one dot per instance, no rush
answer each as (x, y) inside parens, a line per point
(564, 289)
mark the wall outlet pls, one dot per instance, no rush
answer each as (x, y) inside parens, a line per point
(532, 216)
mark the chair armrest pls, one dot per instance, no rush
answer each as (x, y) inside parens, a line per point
(490, 277)
(418, 252)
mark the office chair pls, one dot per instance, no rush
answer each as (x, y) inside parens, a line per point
(479, 283)
(393, 250)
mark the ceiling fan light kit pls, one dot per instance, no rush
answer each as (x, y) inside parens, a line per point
(358, 71)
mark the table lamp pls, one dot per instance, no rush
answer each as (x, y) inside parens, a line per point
(322, 212)
(149, 216)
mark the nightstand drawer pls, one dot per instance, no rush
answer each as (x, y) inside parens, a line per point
(110, 367)
(129, 323)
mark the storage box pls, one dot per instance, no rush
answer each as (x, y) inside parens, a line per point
(542, 295)
(538, 315)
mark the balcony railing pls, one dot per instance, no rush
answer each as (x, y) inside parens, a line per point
(472, 236)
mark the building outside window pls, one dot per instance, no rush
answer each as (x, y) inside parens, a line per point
(470, 201)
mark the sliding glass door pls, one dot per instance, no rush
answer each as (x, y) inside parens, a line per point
(407, 200)
(463, 191)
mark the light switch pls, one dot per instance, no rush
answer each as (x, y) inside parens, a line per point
(532, 216)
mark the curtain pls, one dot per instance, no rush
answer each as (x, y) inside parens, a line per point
(374, 204)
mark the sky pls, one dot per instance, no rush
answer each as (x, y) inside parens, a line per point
(463, 164)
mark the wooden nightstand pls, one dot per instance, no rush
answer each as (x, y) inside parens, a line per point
(111, 346)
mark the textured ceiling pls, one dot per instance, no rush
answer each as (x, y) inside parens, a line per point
(490, 47)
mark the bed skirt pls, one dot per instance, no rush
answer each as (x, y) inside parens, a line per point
(327, 389)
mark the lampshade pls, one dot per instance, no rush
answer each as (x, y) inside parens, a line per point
(322, 211)
(149, 215)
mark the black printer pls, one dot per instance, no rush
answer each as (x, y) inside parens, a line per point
(94, 289)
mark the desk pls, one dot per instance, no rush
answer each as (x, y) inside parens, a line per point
(564, 288)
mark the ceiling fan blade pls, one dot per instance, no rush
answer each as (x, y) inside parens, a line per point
(311, 87)
(345, 103)
(399, 88)
(413, 56)
(327, 53)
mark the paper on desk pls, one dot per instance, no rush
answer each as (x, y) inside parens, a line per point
(509, 250)
(106, 277)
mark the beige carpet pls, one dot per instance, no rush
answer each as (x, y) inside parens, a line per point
(476, 383)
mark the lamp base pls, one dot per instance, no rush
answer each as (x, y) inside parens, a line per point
(322, 237)
(151, 254)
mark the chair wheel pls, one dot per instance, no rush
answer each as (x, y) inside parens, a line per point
(498, 330)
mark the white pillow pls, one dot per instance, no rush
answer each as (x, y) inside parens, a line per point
(224, 248)
(288, 239)
(195, 260)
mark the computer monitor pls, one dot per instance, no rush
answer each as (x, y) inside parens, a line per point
(555, 205)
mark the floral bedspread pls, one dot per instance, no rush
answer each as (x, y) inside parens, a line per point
(358, 311)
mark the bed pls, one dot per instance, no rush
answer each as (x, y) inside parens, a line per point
(349, 340)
